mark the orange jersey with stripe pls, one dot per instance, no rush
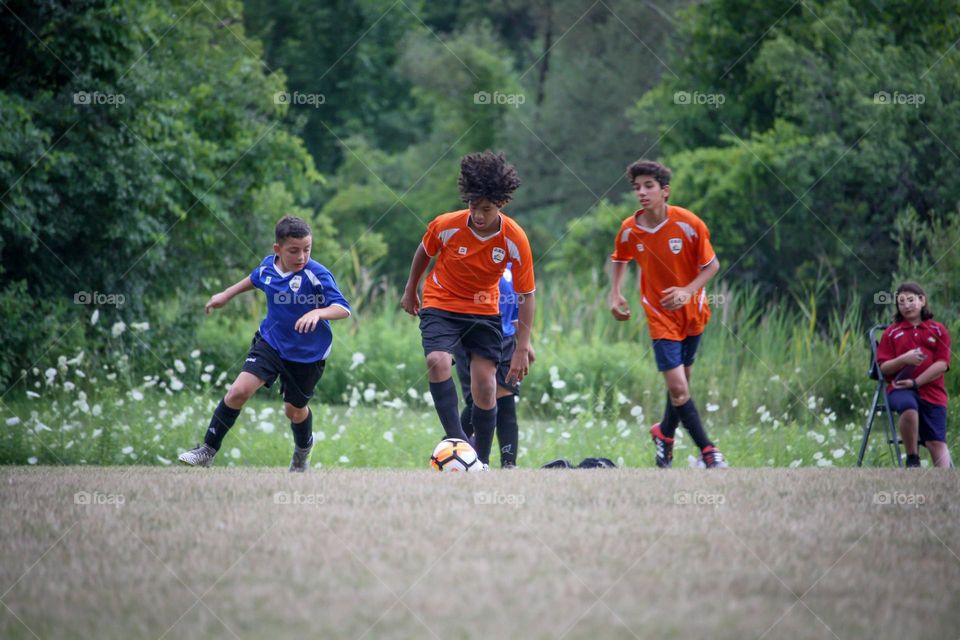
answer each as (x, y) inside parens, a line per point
(669, 255)
(466, 276)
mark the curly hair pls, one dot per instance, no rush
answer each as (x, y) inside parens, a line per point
(487, 175)
(291, 227)
(649, 168)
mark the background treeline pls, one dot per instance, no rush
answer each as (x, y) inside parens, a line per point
(819, 140)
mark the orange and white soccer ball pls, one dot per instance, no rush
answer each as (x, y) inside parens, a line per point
(454, 454)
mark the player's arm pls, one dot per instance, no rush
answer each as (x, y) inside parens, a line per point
(520, 362)
(411, 294)
(217, 300)
(309, 321)
(911, 357)
(676, 297)
(619, 306)
(930, 374)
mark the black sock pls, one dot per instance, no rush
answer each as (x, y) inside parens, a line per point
(223, 418)
(691, 422)
(445, 401)
(466, 419)
(303, 431)
(484, 423)
(668, 424)
(507, 430)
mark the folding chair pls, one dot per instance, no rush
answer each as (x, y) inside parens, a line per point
(880, 404)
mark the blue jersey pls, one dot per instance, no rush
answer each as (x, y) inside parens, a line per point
(291, 295)
(509, 309)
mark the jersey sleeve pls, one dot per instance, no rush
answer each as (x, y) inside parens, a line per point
(255, 277)
(942, 352)
(886, 350)
(431, 239)
(332, 297)
(621, 245)
(705, 252)
(524, 281)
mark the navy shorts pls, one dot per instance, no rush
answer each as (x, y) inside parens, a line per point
(933, 417)
(671, 354)
(446, 331)
(462, 360)
(297, 379)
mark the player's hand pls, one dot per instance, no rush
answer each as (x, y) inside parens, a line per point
(532, 355)
(914, 356)
(216, 301)
(308, 321)
(411, 302)
(619, 307)
(904, 384)
(519, 366)
(675, 297)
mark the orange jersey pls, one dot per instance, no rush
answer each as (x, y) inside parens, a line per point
(466, 275)
(669, 255)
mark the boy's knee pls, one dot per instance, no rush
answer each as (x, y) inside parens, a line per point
(679, 393)
(295, 414)
(438, 362)
(236, 396)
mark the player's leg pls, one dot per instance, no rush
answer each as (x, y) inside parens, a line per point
(224, 417)
(906, 403)
(508, 431)
(483, 375)
(298, 383)
(461, 359)
(670, 420)
(441, 333)
(932, 432)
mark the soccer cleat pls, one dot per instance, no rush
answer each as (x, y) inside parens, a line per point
(664, 447)
(200, 456)
(301, 458)
(913, 461)
(713, 459)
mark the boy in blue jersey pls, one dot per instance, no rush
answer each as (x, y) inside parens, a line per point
(508, 433)
(293, 342)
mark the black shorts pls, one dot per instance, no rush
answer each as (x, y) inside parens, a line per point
(445, 331)
(462, 360)
(297, 379)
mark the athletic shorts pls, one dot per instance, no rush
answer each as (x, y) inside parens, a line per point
(445, 331)
(933, 417)
(462, 359)
(671, 354)
(297, 379)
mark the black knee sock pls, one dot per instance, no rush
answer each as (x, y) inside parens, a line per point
(507, 430)
(484, 423)
(466, 419)
(668, 424)
(445, 401)
(223, 418)
(303, 431)
(691, 421)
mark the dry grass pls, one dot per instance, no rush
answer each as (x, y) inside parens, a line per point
(400, 554)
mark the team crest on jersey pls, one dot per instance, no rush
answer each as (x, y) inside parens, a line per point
(676, 244)
(462, 251)
(267, 279)
(640, 247)
(295, 283)
(499, 254)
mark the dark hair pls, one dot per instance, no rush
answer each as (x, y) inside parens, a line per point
(487, 175)
(649, 168)
(914, 288)
(291, 227)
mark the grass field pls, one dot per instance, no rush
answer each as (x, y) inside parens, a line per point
(139, 552)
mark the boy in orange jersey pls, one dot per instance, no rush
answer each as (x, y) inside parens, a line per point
(672, 248)
(460, 306)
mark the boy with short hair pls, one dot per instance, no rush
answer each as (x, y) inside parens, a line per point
(672, 248)
(293, 342)
(472, 248)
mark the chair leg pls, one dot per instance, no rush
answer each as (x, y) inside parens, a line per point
(869, 426)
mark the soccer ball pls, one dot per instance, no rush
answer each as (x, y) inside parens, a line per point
(454, 454)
